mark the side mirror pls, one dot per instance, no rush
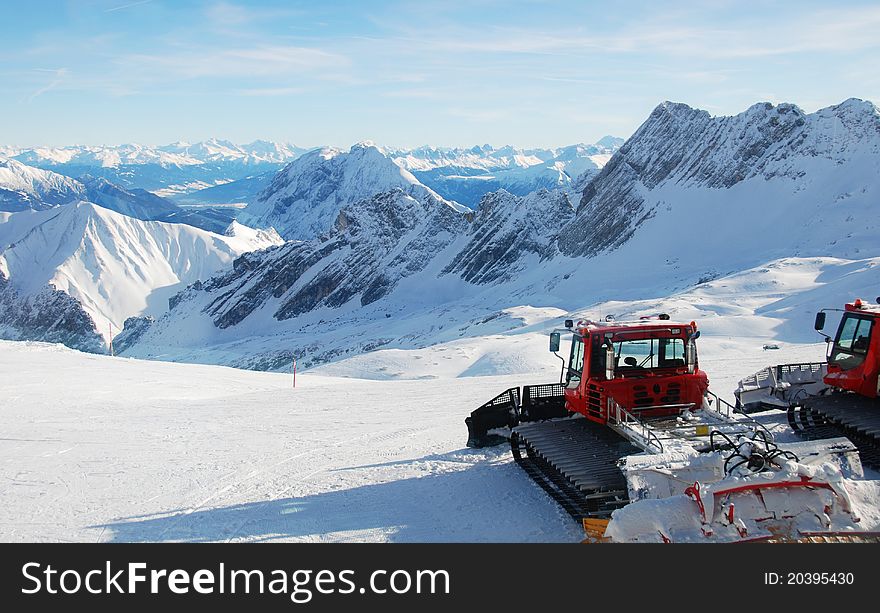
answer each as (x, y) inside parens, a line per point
(569, 323)
(820, 321)
(554, 341)
(695, 335)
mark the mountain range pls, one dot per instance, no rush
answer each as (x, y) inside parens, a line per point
(175, 154)
(170, 171)
(688, 200)
(219, 172)
(376, 258)
(466, 175)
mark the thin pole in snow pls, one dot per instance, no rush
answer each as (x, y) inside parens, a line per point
(294, 372)
(111, 338)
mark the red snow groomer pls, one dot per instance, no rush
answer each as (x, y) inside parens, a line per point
(632, 418)
(619, 376)
(834, 398)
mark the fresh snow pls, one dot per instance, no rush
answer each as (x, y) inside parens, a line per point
(112, 449)
(115, 449)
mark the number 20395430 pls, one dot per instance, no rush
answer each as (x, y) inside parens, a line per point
(811, 578)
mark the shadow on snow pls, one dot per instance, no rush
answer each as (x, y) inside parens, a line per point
(487, 501)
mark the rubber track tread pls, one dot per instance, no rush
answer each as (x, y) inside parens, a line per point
(575, 461)
(855, 417)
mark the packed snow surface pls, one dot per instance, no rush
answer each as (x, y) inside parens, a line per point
(96, 448)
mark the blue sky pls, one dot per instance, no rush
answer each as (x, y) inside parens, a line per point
(525, 72)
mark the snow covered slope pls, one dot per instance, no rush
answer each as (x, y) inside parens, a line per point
(770, 175)
(509, 234)
(304, 199)
(150, 451)
(112, 265)
(24, 187)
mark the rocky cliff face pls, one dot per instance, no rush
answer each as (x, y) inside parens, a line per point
(49, 315)
(508, 233)
(688, 148)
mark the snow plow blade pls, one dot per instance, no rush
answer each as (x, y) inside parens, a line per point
(510, 408)
(500, 412)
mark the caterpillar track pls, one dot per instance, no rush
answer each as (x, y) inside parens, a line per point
(840, 414)
(575, 460)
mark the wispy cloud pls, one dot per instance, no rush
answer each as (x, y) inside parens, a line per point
(59, 75)
(240, 19)
(840, 30)
(416, 93)
(262, 61)
(127, 6)
(227, 14)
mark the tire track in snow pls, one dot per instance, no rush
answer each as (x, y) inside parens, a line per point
(273, 475)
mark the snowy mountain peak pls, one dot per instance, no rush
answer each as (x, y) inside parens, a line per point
(856, 106)
(24, 187)
(304, 199)
(364, 144)
(610, 142)
(678, 110)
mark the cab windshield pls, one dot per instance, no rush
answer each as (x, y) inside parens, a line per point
(851, 345)
(575, 360)
(647, 353)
